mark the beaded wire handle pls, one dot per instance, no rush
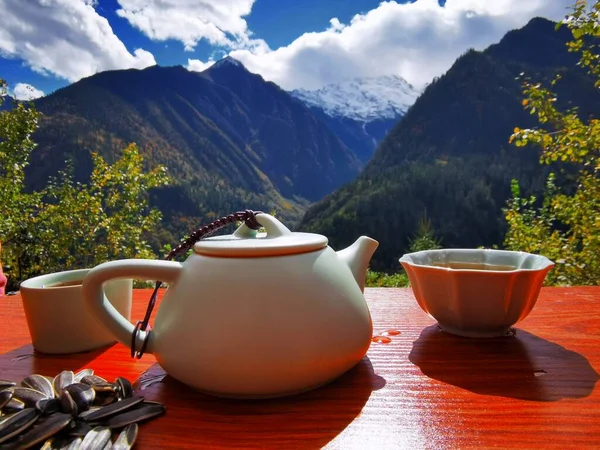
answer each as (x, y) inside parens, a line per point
(248, 217)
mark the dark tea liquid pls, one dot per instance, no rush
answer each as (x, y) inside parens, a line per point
(473, 266)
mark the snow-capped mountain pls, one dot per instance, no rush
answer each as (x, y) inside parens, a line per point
(361, 111)
(362, 99)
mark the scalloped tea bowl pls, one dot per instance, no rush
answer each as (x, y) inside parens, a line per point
(476, 292)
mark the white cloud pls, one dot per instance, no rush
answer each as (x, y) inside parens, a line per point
(417, 41)
(220, 22)
(67, 38)
(24, 91)
(198, 66)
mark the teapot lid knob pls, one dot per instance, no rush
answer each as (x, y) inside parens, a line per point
(273, 227)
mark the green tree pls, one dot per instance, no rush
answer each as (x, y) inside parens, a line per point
(566, 226)
(425, 237)
(17, 207)
(84, 224)
(382, 279)
(69, 224)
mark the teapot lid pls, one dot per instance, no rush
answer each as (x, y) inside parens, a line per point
(278, 240)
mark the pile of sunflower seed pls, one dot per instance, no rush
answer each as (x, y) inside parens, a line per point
(71, 411)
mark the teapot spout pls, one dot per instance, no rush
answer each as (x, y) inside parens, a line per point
(357, 258)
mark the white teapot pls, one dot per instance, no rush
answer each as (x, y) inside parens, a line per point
(250, 314)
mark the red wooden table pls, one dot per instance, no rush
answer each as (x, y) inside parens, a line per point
(422, 390)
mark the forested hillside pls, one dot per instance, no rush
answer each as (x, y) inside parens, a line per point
(229, 139)
(449, 158)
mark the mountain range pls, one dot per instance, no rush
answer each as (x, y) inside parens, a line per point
(356, 157)
(448, 161)
(230, 139)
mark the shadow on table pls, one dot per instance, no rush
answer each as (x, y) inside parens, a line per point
(308, 420)
(20, 362)
(524, 366)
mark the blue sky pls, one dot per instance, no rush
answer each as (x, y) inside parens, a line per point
(47, 44)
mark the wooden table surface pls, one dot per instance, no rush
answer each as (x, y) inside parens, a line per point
(423, 390)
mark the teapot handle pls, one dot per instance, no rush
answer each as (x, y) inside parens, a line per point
(101, 308)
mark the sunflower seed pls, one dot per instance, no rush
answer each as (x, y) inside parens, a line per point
(5, 397)
(96, 439)
(67, 403)
(75, 444)
(105, 387)
(126, 437)
(105, 392)
(135, 415)
(28, 396)
(48, 406)
(17, 423)
(149, 402)
(5, 384)
(106, 397)
(82, 394)
(54, 443)
(79, 429)
(62, 443)
(113, 408)
(39, 383)
(124, 387)
(84, 414)
(93, 379)
(83, 373)
(66, 414)
(13, 405)
(43, 430)
(62, 380)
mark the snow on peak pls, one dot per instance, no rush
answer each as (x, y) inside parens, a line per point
(363, 99)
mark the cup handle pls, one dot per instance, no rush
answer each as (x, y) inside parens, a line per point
(104, 311)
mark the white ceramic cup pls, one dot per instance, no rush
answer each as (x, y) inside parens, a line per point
(57, 317)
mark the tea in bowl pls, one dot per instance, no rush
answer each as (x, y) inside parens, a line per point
(476, 292)
(57, 317)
